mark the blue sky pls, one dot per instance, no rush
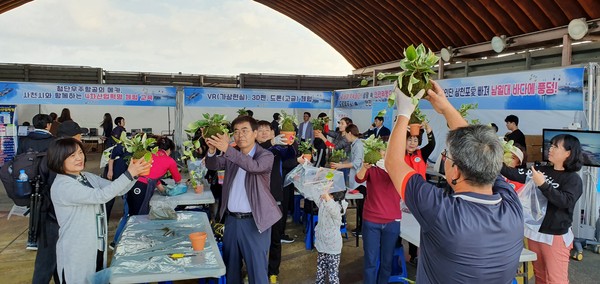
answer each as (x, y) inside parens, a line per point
(224, 37)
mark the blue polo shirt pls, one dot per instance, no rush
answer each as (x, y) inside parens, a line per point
(466, 237)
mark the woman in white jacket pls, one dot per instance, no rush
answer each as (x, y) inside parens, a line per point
(78, 198)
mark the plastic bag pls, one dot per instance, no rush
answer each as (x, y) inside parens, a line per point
(312, 181)
(175, 189)
(534, 204)
(162, 211)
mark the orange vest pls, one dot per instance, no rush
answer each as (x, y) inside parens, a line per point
(415, 161)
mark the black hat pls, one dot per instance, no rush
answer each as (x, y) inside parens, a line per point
(69, 128)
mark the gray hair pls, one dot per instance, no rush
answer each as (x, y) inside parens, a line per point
(477, 152)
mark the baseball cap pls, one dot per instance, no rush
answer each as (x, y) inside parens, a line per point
(69, 128)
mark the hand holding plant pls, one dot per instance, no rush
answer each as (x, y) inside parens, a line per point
(218, 141)
(137, 167)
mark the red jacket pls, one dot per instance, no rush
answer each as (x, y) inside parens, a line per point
(416, 161)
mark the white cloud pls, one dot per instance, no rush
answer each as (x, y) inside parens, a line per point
(201, 37)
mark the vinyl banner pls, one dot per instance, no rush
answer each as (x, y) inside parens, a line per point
(256, 98)
(85, 94)
(362, 98)
(552, 89)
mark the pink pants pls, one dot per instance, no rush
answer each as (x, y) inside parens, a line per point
(552, 265)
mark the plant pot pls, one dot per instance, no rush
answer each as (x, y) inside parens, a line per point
(146, 172)
(290, 136)
(307, 156)
(415, 129)
(198, 240)
(199, 188)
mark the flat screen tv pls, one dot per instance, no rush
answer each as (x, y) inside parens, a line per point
(590, 144)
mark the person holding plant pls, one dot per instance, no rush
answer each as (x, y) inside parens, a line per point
(562, 186)
(381, 222)
(339, 142)
(457, 229)
(138, 199)
(357, 154)
(328, 240)
(319, 144)
(416, 158)
(282, 152)
(248, 204)
(78, 198)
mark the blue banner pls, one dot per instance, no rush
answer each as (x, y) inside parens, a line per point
(256, 98)
(85, 94)
(553, 89)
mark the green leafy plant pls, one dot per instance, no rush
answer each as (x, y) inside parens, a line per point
(464, 112)
(508, 148)
(306, 147)
(373, 147)
(287, 121)
(417, 117)
(139, 145)
(242, 111)
(212, 125)
(417, 68)
(319, 123)
(338, 156)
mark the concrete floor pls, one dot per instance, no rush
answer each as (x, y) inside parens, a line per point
(298, 264)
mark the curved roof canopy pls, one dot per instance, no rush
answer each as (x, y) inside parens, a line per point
(368, 33)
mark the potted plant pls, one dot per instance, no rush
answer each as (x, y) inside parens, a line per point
(464, 112)
(195, 169)
(318, 124)
(373, 147)
(417, 68)
(140, 146)
(338, 156)
(508, 149)
(415, 121)
(210, 125)
(242, 111)
(287, 127)
(307, 149)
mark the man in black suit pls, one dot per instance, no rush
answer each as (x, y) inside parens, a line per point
(380, 130)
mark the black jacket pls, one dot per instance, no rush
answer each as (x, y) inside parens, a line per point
(281, 153)
(38, 141)
(562, 189)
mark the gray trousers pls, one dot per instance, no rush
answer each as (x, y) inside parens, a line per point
(241, 240)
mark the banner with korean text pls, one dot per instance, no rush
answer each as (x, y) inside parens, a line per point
(552, 89)
(256, 98)
(85, 94)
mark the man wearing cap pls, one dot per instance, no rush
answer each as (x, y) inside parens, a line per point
(70, 128)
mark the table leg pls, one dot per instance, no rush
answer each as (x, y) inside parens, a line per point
(357, 223)
(525, 273)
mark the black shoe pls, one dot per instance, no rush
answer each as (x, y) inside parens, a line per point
(285, 239)
(111, 246)
(414, 260)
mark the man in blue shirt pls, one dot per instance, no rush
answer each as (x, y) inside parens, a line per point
(474, 235)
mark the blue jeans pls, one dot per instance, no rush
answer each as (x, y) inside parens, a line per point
(379, 241)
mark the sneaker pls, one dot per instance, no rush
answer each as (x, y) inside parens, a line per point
(285, 239)
(111, 246)
(31, 246)
(357, 232)
(414, 261)
(273, 279)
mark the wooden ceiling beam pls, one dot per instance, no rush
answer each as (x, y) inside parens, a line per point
(521, 20)
(552, 11)
(454, 13)
(535, 14)
(590, 7)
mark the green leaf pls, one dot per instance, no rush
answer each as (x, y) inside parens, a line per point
(148, 157)
(382, 112)
(411, 53)
(392, 100)
(420, 51)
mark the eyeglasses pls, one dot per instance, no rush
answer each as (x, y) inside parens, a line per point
(244, 132)
(445, 155)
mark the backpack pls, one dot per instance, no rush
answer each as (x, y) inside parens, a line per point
(9, 174)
